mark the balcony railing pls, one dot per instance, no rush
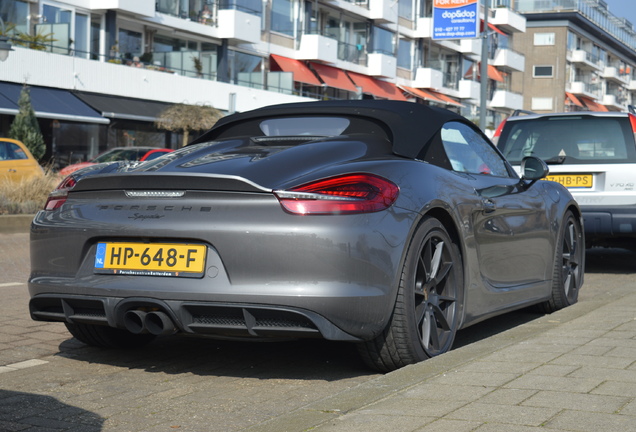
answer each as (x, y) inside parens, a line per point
(352, 53)
(592, 10)
(209, 12)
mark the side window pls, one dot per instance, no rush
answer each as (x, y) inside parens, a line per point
(469, 152)
(15, 152)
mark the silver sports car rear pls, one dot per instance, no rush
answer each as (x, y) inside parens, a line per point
(388, 224)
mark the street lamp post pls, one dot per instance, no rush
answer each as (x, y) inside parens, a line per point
(5, 45)
(483, 102)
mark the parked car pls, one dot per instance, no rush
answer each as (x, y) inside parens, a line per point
(16, 161)
(118, 154)
(388, 224)
(593, 154)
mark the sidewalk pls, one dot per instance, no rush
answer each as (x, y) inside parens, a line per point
(574, 370)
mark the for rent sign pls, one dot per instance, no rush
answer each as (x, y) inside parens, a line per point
(455, 19)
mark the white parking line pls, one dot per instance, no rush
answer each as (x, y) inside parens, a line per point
(22, 365)
(10, 284)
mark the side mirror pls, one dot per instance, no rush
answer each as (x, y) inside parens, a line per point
(533, 169)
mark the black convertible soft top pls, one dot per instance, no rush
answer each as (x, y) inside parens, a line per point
(410, 125)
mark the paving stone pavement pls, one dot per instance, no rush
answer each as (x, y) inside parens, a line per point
(574, 370)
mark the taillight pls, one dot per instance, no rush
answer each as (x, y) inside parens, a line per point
(497, 133)
(346, 194)
(632, 121)
(59, 195)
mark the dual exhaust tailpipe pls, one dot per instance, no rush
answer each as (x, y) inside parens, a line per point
(156, 323)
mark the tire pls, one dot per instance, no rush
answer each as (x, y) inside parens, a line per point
(107, 337)
(569, 258)
(426, 314)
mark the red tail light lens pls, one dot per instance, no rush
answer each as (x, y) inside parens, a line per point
(348, 194)
(59, 195)
(497, 133)
(632, 121)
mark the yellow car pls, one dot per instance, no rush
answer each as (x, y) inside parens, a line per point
(16, 161)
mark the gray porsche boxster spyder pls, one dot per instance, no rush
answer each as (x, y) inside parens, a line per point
(388, 224)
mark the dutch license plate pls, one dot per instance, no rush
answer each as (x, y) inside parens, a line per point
(150, 259)
(572, 180)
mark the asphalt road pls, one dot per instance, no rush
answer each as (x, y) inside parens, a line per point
(50, 382)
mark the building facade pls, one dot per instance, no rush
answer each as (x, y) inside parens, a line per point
(579, 56)
(113, 65)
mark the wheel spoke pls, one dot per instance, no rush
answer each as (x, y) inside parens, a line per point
(440, 318)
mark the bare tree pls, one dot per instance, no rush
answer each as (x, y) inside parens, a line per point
(185, 118)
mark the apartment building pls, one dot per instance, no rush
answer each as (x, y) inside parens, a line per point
(579, 56)
(101, 71)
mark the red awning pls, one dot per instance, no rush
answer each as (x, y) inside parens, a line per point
(495, 74)
(422, 94)
(592, 105)
(376, 87)
(446, 99)
(491, 27)
(333, 77)
(300, 71)
(573, 100)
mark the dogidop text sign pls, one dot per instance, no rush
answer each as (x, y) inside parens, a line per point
(455, 19)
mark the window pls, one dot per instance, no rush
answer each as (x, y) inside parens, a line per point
(404, 54)
(542, 71)
(405, 9)
(10, 151)
(541, 39)
(129, 43)
(469, 152)
(283, 16)
(542, 103)
(382, 41)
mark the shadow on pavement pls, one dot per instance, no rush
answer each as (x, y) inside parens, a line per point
(615, 261)
(310, 359)
(27, 411)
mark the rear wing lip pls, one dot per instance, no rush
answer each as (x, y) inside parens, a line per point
(168, 181)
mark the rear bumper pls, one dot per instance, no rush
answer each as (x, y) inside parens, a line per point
(201, 318)
(609, 226)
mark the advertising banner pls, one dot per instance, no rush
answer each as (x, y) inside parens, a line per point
(455, 19)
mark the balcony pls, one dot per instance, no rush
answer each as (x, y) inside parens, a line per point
(428, 78)
(144, 8)
(614, 102)
(632, 85)
(470, 46)
(580, 88)
(239, 26)
(613, 74)
(318, 47)
(584, 60)
(424, 28)
(509, 60)
(383, 65)
(469, 89)
(506, 99)
(508, 21)
(383, 11)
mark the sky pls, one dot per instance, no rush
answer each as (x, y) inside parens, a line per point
(623, 9)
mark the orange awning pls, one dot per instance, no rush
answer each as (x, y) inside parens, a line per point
(300, 71)
(422, 94)
(376, 87)
(446, 99)
(592, 105)
(495, 74)
(333, 77)
(573, 99)
(491, 27)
